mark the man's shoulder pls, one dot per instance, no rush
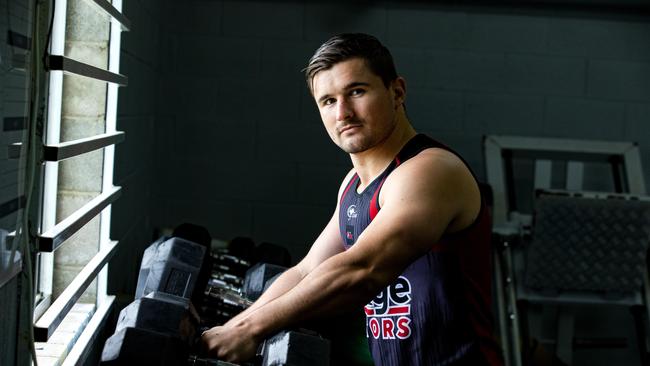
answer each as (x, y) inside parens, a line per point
(434, 172)
(432, 162)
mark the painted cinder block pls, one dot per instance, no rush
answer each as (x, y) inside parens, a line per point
(584, 119)
(284, 60)
(267, 107)
(294, 226)
(262, 19)
(637, 122)
(305, 143)
(236, 101)
(324, 19)
(412, 63)
(319, 183)
(510, 33)
(192, 57)
(224, 220)
(197, 17)
(423, 26)
(620, 80)
(207, 140)
(503, 114)
(138, 142)
(270, 181)
(436, 110)
(133, 204)
(616, 39)
(545, 75)
(466, 70)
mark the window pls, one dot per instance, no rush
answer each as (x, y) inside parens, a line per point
(73, 167)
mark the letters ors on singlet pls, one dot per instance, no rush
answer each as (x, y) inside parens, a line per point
(388, 315)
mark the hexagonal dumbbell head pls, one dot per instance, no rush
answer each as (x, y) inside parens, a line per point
(171, 266)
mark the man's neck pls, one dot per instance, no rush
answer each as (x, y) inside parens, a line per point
(370, 163)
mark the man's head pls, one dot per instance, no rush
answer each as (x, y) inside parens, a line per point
(352, 45)
(358, 93)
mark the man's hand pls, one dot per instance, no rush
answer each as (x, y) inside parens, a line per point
(232, 343)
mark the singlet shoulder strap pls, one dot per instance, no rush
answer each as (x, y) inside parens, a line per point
(351, 183)
(415, 145)
(410, 149)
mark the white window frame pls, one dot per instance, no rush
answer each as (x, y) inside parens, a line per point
(47, 314)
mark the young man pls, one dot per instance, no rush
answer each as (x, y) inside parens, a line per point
(409, 237)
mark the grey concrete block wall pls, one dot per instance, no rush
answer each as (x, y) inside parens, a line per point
(241, 131)
(82, 114)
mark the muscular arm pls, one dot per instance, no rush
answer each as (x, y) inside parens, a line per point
(421, 200)
(326, 245)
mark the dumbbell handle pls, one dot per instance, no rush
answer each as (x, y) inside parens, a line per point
(228, 296)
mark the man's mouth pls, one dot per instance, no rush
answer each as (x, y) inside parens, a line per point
(348, 128)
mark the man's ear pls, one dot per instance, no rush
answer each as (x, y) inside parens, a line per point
(399, 90)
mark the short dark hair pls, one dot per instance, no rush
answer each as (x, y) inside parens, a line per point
(346, 46)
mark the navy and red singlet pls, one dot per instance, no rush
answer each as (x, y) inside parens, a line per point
(437, 312)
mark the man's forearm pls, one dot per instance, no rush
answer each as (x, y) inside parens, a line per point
(287, 280)
(329, 288)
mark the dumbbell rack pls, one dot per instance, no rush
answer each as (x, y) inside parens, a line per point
(166, 320)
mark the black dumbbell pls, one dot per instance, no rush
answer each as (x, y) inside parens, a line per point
(295, 348)
(161, 327)
(158, 328)
(173, 271)
(172, 266)
(257, 278)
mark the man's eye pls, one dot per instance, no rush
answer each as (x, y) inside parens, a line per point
(329, 101)
(357, 92)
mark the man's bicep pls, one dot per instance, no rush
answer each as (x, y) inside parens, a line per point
(416, 210)
(430, 196)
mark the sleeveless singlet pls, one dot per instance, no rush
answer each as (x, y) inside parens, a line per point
(437, 312)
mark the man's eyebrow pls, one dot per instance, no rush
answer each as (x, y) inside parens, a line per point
(323, 98)
(351, 85)
(354, 84)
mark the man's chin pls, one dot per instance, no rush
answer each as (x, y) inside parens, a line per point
(353, 148)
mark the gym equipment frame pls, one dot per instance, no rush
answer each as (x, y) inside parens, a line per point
(511, 226)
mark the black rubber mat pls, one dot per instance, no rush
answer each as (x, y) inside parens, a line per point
(591, 244)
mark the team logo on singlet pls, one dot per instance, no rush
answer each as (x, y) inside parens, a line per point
(352, 212)
(388, 315)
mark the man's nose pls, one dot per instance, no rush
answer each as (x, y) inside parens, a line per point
(343, 110)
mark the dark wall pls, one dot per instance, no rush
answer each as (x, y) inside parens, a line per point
(239, 143)
(134, 158)
(221, 130)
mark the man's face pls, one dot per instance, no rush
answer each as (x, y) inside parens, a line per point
(357, 109)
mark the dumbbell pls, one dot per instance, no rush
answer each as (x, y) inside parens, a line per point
(258, 279)
(161, 323)
(162, 329)
(172, 265)
(223, 300)
(176, 265)
(158, 329)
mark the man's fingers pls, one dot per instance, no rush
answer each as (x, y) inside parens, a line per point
(208, 342)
